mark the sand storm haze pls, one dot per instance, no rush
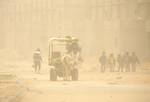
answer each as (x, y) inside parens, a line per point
(110, 26)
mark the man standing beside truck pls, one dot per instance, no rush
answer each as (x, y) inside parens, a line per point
(37, 59)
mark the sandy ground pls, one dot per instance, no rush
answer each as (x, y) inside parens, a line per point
(92, 86)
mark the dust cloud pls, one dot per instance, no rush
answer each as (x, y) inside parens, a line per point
(113, 26)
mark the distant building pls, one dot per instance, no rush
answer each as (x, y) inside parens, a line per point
(113, 23)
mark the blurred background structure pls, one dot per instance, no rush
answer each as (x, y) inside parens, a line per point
(112, 25)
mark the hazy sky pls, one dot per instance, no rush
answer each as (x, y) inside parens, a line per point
(110, 25)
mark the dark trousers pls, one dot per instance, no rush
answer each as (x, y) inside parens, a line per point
(103, 67)
(120, 67)
(37, 66)
(127, 67)
(133, 66)
(112, 67)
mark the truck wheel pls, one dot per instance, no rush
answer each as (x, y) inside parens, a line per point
(74, 74)
(53, 75)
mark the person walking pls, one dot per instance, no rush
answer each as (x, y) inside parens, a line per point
(134, 61)
(127, 61)
(37, 59)
(111, 62)
(103, 62)
(120, 63)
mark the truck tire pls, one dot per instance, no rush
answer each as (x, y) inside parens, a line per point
(74, 74)
(53, 75)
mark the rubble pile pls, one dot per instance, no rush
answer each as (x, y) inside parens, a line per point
(10, 90)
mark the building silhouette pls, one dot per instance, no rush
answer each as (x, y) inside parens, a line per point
(113, 25)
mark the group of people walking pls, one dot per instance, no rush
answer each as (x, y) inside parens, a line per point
(121, 63)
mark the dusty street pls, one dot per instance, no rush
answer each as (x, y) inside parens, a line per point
(84, 91)
(92, 86)
(95, 43)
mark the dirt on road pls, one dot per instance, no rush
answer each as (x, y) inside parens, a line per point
(92, 86)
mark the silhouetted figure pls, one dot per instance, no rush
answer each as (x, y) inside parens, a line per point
(103, 62)
(37, 60)
(127, 61)
(111, 62)
(72, 46)
(120, 63)
(67, 65)
(134, 61)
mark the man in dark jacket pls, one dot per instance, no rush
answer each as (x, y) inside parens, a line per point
(37, 60)
(103, 62)
(127, 61)
(134, 61)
